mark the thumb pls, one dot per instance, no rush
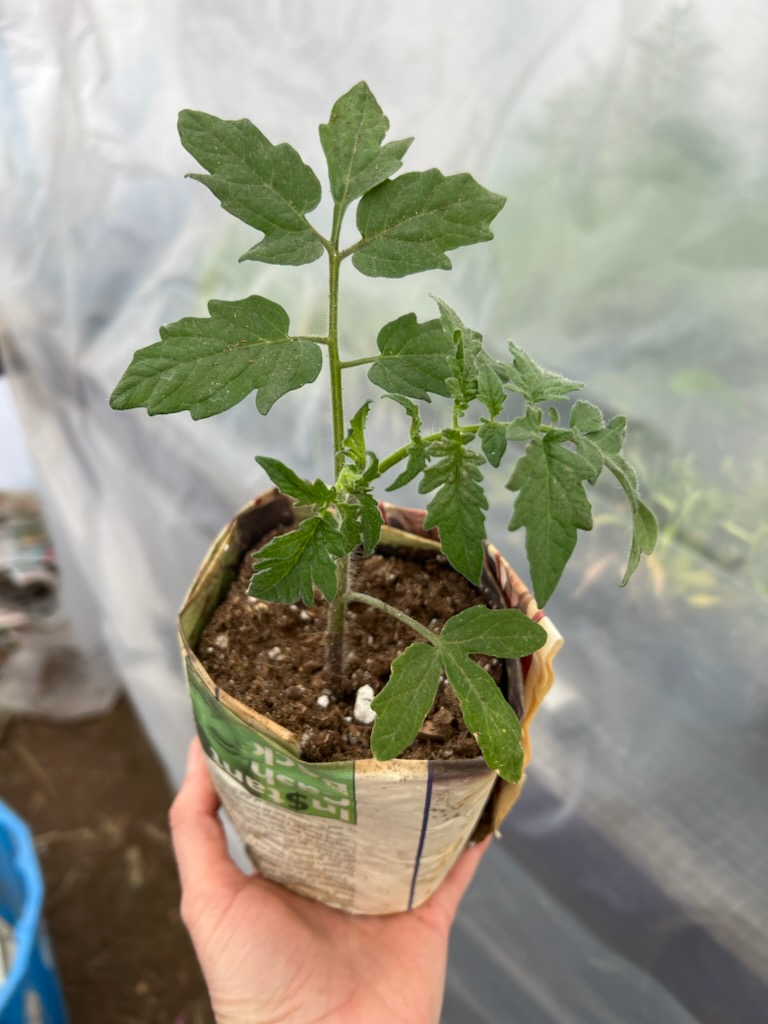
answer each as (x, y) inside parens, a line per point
(205, 868)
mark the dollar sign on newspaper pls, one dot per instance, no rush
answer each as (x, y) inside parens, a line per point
(297, 801)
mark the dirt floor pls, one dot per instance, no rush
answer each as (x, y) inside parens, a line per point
(96, 800)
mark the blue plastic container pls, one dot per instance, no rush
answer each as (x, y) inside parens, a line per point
(30, 993)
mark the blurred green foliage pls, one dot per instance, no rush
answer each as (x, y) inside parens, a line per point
(634, 249)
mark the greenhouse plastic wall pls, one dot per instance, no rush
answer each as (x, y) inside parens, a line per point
(630, 138)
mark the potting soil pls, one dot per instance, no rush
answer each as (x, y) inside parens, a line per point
(271, 657)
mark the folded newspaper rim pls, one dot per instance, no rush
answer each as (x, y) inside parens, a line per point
(365, 836)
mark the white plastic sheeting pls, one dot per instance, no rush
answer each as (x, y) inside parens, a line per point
(16, 471)
(44, 669)
(630, 138)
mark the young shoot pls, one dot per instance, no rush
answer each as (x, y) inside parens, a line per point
(406, 223)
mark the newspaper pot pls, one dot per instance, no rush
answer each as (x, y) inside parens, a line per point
(365, 836)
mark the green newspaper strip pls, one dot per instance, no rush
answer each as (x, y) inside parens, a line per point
(266, 769)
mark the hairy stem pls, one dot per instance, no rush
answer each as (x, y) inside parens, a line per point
(397, 456)
(334, 363)
(382, 606)
(334, 658)
(353, 248)
(365, 361)
(334, 654)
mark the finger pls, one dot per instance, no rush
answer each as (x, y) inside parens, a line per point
(449, 895)
(199, 843)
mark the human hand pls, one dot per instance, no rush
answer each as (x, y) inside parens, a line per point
(272, 957)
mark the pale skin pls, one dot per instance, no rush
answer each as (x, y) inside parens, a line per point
(271, 957)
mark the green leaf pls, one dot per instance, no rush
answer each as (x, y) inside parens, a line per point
(487, 714)
(609, 443)
(610, 439)
(354, 443)
(591, 455)
(493, 440)
(409, 223)
(370, 523)
(361, 522)
(371, 473)
(413, 358)
(293, 485)
(490, 390)
(525, 428)
(352, 142)
(498, 632)
(551, 505)
(267, 186)
(473, 373)
(207, 365)
(286, 568)
(586, 417)
(456, 330)
(458, 507)
(604, 444)
(559, 435)
(349, 526)
(645, 533)
(417, 454)
(467, 349)
(405, 701)
(417, 462)
(534, 383)
(413, 412)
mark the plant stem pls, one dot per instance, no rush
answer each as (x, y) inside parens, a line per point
(334, 658)
(334, 362)
(397, 456)
(353, 248)
(334, 652)
(382, 606)
(346, 363)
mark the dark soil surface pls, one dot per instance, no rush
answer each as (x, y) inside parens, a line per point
(96, 800)
(271, 656)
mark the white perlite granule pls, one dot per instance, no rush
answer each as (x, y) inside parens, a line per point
(362, 711)
(323, 700)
